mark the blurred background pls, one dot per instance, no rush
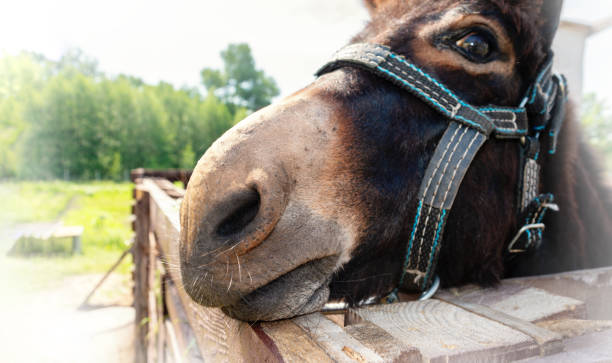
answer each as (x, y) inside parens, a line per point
(90, 90)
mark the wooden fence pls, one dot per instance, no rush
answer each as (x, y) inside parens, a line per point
(564, 317)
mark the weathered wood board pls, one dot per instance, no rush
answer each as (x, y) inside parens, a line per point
(523, 302)
(563, 317)
(186, 344)
(444, 332)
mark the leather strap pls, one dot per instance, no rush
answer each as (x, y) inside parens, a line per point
(449, 164)
(506, 122)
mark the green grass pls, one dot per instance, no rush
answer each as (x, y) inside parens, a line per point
(33, 201)
(102, 208)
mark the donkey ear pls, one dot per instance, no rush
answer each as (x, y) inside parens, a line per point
(374, 5)
(550, 15)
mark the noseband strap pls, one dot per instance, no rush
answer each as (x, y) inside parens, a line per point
(469, 128)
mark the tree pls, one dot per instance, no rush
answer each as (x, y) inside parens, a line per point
(65, 119)
(240, 84)
(187, 160)
(74, 60)
(21, 78)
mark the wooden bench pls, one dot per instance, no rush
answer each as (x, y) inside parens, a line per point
(46, 231)
(74, 232)
(546, 318)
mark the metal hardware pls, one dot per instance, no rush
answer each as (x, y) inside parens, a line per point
(334, 307)
(341, 306)
(552, 206)
(427, 294)
(525, 228)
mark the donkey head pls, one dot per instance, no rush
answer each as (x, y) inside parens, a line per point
(313, 197)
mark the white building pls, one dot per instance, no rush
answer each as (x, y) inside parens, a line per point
(569, 48)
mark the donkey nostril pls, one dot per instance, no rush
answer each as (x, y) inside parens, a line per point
(242, 209)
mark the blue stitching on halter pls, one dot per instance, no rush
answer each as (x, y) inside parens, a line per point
(433, 248)
(511, 131)
(513, 110)
(449, 92)
(535, 88)
(414, 227)
(433, 101)
(425, 75)
(472, 123)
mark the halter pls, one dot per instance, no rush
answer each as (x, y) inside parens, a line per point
(541, 111)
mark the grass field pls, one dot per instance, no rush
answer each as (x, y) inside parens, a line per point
(102, 208)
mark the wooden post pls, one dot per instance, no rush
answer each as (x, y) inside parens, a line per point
(155, 321)
(140, 252)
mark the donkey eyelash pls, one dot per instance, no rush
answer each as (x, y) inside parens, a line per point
(450, 39)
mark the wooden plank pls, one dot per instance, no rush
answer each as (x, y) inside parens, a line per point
(523, 302)
(169, 188)
(593, 287)
(377, 339)
(68, 231)
(569, 328)
(173, 343)
(335, 341)
(172, 175)
(293, 343)
(593, 347)
(548, 341)
(219, 337)
(185, 337)
(444, 332)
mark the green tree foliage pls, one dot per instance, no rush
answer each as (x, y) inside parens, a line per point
(66, 119)
(597, 124)
(187, 157)
(240, 84)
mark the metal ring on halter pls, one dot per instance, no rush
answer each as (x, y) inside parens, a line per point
(427, 294)
(525, 228)
(336, 307)
(551, 206)
(340, 306)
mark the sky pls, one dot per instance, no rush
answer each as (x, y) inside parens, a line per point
(173, 40)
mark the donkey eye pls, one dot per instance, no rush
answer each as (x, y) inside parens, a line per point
(476, 46)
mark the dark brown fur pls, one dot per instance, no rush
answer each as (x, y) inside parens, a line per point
(337, 167)
(480, 223)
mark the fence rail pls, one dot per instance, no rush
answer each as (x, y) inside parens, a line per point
(543, 318)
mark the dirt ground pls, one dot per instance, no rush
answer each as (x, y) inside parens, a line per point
(47, 325)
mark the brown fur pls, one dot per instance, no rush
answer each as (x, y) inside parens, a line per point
(313, 198)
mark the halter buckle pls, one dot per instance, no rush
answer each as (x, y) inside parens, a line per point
(524, 229)
(427, 294)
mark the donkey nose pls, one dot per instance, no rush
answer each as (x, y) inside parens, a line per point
(233, 217)
(237, 212)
